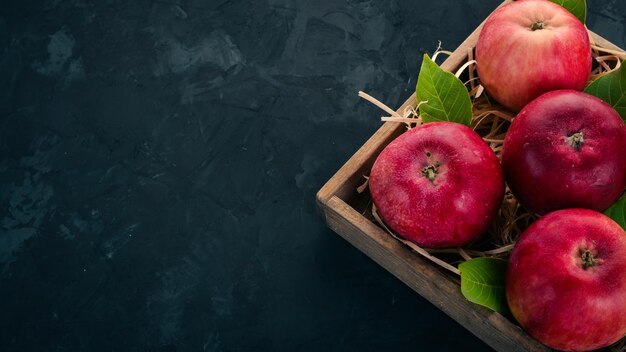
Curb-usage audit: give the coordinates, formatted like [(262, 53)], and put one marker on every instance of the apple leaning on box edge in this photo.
[(530, 47)]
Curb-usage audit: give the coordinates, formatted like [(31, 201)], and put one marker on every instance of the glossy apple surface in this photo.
[(566, 280), (530, 47), (437, 185), (566, 149)]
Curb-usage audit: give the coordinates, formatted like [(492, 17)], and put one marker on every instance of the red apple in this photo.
[(566, 150), (437, 185), (530, 47), (566, 280)]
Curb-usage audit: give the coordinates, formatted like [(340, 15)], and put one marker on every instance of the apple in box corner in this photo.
[(566, 280), (437, 185), (530, 47)]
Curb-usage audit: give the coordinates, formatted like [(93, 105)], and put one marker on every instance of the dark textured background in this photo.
[(159, 162)]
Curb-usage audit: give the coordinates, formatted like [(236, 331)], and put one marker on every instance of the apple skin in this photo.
[(453, 209), (517, 64), (546, 172), (550, 292)]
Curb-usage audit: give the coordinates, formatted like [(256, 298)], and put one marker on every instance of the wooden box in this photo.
[(345, 212)]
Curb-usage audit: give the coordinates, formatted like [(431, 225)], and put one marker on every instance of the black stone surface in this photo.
[(159, 162)]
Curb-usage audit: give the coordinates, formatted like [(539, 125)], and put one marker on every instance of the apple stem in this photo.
[(588, 259), (576, 140), (537, 25)]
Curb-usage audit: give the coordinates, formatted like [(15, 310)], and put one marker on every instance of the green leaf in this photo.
[(482, 282), (446, 96), (612, 89), (577, 7), (617, 212)]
